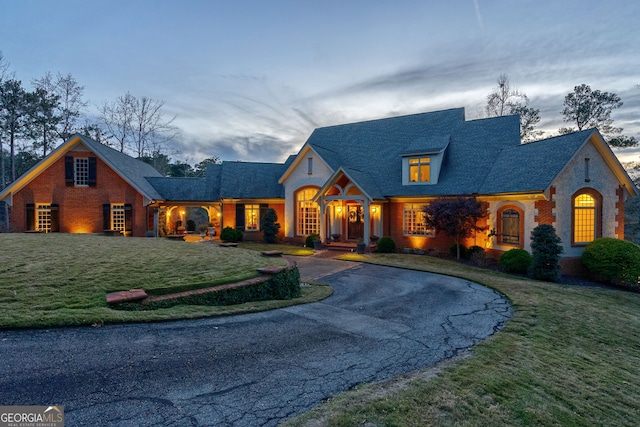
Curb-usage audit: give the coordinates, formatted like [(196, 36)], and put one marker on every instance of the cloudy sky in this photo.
[(250, 80)]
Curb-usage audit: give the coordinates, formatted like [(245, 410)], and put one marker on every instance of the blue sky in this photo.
[(250, 80)]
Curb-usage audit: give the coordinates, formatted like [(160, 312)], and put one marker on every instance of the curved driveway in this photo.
[(250, 370)]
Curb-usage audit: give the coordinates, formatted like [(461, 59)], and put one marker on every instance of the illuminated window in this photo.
[(511, 227), (251, 217), (413, 221), (43, 218), (308, 213), (585, 218), (80, 171), (420, 169), (118, 217)]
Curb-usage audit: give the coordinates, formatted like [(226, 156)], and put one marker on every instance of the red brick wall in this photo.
[(441, 243), (229, 218), (80, 208), (545, 209)]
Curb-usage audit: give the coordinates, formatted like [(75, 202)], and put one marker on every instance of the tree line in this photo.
[(584, 108), (34, 122)]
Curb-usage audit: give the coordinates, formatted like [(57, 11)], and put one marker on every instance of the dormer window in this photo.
[(419, 169)]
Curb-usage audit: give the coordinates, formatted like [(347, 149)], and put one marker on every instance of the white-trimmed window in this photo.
[(118, 221), (80, 171), (308, 213), (413, 221), (43, 218), (251, 217), (419, 169)]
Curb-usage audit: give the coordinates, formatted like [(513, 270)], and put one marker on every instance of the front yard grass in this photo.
[(569, 356), (62, 279)]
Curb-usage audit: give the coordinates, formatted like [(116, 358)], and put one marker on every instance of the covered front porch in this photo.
[(348, 215), (186, 218)]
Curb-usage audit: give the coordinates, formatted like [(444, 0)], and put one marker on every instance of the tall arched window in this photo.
[(587, 216), (307, 212)]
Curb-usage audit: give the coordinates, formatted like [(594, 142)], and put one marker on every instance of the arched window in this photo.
[(587, 216), (511, 225), (307, 212)]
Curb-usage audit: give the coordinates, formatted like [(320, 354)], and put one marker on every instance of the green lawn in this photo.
[(570, 356), (62, 279)]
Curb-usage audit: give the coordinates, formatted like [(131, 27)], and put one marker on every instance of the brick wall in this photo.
[(80, 208), (545, 209), (228, 218)]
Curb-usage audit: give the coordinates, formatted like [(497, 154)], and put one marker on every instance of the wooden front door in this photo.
[(355, 222)]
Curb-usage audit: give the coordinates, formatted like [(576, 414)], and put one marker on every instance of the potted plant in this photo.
[(336, 237), (360, 246), (374, 238)]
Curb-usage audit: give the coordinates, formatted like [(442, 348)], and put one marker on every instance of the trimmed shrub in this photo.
[(229, 234), (515, 261), (546, 248), (269, 225), (464, 251), (282, 286), (473, 250), (308, 242), (612, 260), (386, 245)]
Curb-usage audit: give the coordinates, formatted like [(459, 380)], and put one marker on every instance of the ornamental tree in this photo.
[(269, 225), (546, 250), (455, 216)]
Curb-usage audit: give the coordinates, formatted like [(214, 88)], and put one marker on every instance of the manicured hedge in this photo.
[(283, 285), (612, 260)]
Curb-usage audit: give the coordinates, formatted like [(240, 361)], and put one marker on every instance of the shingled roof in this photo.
[(133, 171), (375, 149)]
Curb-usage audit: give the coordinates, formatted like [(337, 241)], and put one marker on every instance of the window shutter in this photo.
[(128, 218), (68, 171), (55, 218), (106, 216), (240, 217), (31, 216), (91, 181)]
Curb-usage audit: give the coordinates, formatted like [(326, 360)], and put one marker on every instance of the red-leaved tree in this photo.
[(455, 216)]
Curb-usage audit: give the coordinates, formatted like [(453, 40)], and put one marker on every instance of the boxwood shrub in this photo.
[(229, 234), (515, 261), (612, 260), (386, 245)]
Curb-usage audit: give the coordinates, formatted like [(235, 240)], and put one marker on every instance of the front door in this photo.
[(355, 222)]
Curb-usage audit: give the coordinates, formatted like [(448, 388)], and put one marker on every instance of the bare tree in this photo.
[(150, 129), (505, 100), (138, 124), (71, 104), (116, 118)]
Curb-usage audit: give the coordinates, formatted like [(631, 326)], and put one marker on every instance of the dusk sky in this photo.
[(250, 80)]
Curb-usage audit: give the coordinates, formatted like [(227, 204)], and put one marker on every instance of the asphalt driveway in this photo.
[(251, 370)]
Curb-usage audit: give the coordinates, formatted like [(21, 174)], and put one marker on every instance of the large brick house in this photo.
[(354, 180)]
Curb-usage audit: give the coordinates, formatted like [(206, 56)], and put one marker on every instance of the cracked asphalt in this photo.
[(251, 370)]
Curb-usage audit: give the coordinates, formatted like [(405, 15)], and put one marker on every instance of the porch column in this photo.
[(323, 219), (367, 219)]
